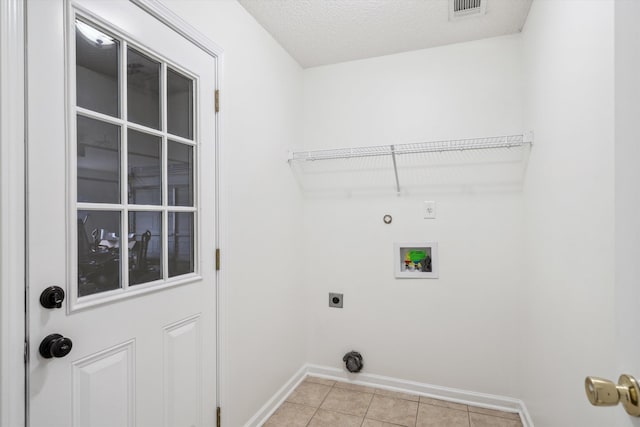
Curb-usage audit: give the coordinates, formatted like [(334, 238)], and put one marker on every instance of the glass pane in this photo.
[(180, 243), (145, 168), (98, 161), (179, 104), (145, 247), (96, 70), (180, 174), (98, 251), (143, 89)]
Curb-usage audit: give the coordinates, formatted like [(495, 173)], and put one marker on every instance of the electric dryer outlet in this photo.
[(335, 300)]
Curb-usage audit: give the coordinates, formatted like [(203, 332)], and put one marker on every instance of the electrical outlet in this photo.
[(429, 210), (335, 300)]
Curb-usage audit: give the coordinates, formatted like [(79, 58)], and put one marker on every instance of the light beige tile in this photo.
[(347, 401), (398, 395), (291, 415), (319, 380), (481, 420), (354, 387), (376, 423), (310, 394), (395, 411), (444, 403), (494, 413), (438, 416), (324, 418)]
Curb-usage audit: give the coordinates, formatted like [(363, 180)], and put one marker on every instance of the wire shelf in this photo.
[(490, 142), (395, 151)]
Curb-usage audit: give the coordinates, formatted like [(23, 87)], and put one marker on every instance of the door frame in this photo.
[(13, 185), (12, 212)]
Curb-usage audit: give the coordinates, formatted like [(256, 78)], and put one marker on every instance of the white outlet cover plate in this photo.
[(429, 209)]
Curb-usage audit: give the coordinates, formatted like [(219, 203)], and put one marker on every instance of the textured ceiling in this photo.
[(319, 32)]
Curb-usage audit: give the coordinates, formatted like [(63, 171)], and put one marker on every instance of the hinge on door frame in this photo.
[(26, 351), (217, 96), (217, 259), (218, 417)]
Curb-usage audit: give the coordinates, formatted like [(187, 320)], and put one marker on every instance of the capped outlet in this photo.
[(335, 300)]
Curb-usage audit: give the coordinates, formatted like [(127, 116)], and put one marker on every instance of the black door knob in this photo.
[(55, 345), (52, 297)]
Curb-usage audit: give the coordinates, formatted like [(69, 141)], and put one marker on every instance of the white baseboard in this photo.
[(482, 400), (274, 403)]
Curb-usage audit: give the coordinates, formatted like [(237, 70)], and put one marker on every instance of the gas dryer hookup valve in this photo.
[(353, 361)]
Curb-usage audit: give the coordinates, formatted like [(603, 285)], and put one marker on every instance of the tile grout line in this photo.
[(493, 416), (498, 414), (415, 422), (375, 393), (368, 406), (342, 412), (393, 396), (388, 397), (320, 404)]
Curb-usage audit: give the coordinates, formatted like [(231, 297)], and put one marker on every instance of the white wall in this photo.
[(498, 273), (457, 331), (627, 203), (260, 101), (568, 333)]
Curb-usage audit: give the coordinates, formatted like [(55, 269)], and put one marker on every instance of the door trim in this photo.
[(12, 213)]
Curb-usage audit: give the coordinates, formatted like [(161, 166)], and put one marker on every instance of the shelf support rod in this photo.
[(395, 167)]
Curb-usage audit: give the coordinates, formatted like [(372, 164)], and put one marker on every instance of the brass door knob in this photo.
[(602, 392)]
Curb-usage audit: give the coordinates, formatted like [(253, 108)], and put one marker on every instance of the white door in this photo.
[(121, 216)]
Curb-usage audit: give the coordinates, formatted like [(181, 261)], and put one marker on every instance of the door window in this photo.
[(135, 158)]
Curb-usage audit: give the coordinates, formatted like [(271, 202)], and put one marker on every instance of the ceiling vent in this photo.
[(466, 8)]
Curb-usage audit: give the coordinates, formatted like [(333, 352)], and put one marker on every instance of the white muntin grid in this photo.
[(124, 207)]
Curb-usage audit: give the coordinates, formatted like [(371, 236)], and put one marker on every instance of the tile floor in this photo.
[(318, 402)]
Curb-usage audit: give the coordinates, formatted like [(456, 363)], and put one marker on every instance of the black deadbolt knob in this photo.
[(55, 345), (52, 297)]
